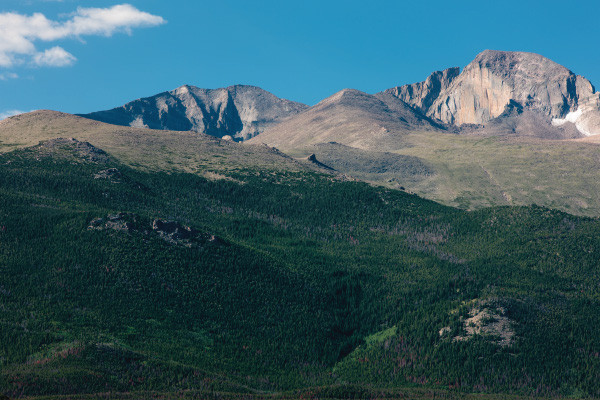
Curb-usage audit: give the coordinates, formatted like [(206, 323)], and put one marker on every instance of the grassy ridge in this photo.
[(474, 172)]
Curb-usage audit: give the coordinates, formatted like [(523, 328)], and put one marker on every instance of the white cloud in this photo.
[(106, 21), (10, 113), (54, 57), (8, 75), (18, 32)]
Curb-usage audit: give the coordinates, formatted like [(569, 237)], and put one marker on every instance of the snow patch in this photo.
[(575, 118), (138, 123)]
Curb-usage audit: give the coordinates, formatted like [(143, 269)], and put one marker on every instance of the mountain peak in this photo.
[(343, 96), (522, 63)]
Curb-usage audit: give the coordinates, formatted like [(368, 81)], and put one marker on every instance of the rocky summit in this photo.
[(239, 112), (497, 82)]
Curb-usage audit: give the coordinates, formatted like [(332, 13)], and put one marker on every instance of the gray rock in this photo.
[(118, 222), (173, 231)]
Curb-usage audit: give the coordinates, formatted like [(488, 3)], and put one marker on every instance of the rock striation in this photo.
[(421, 95), (496, 83), (239, 112)]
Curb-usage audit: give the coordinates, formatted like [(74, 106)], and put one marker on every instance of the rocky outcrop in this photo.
[(487, 319), (174, 232), (71, 149), (239, 112), (125, 222), (421, 95), (313, 160), (170, 231)]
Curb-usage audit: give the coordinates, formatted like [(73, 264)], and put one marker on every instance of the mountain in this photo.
[(238, 111), (501, 84), (352, 118)]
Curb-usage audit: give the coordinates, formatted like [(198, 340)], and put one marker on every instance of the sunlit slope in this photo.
[(146, 148)]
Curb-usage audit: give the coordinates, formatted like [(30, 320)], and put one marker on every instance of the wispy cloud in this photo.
[(18, 32), (8, 75), (10, 113)]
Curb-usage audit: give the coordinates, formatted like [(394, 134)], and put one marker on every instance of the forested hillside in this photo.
[(273, 283)]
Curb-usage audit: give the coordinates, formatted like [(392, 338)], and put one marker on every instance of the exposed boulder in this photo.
[(172, 231), (119, 222), (111, 174), (487, 318)]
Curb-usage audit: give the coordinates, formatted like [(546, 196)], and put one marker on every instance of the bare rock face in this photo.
[(421, 95), (495, 79), (240, 112)]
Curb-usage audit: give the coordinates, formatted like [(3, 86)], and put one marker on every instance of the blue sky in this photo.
[(300, 50)]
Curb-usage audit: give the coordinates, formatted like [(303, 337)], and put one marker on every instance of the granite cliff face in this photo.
[(421, 95), (499, 82), (237, 111)]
